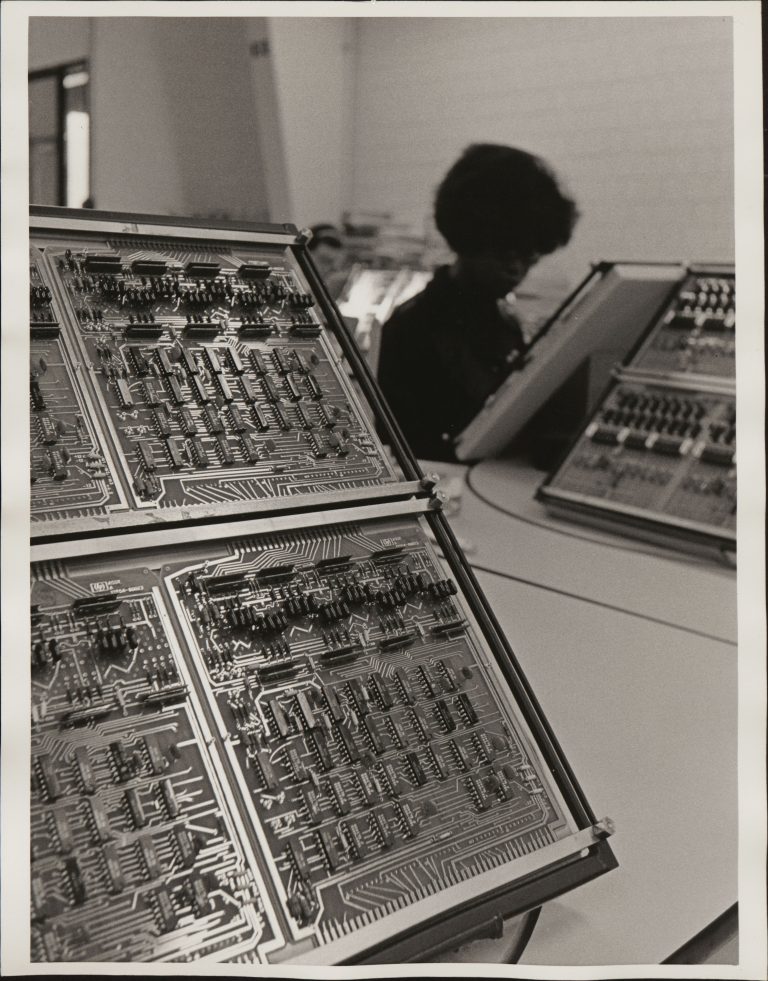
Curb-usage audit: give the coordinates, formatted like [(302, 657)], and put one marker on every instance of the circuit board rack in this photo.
[(657, 459), (274, 719)]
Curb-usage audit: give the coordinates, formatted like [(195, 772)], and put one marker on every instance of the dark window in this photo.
[(59, 136)]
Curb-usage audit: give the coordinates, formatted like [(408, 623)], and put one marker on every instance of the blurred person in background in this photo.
[(447, 349)]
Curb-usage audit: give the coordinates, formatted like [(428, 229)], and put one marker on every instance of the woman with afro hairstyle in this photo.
[(447, 349)]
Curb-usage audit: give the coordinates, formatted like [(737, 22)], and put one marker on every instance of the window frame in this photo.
[(59, 72)]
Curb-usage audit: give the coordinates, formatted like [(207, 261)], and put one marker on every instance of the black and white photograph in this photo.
[(396, 588)]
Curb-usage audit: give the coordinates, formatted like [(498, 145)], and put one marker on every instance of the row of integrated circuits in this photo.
[(657, 459), (273, 717), (175, 384)]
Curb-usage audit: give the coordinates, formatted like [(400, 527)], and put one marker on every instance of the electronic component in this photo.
[(158, 332), (71, 474), (112, 805), (657, 459), (694, 339), (242, 731), (386, 743)]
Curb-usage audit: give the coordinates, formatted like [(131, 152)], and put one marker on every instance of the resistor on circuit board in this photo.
[(301, 908), (45, 654)]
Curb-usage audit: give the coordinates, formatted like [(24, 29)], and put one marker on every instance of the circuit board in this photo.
[(273, 719), (133, 852), (659, 451), (657, 459), (363, 721), (359, 721), (696, 334), (69, 473), (216, 386)]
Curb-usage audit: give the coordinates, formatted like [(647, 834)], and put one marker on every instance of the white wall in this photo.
[(206, 75), (228, 117), (269, 122), (313, 61), (172, 112), (634, 114), (134, 162), (57, 40), (298, 119)]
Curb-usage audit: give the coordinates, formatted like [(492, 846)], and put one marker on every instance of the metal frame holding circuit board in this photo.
[(286, 731), (657, 460), (184, 377)]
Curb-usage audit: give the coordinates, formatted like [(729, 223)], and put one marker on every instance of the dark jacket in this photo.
[(442, 354)]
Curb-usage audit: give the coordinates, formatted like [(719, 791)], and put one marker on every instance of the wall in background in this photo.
[(135, 166), (57, 41), (314, 63), (157, 86), (218, 117), (636, 115), (306, 117), (206, 75)]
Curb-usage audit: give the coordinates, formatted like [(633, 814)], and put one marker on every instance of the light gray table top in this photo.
[(608, 569), (631, 652)]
